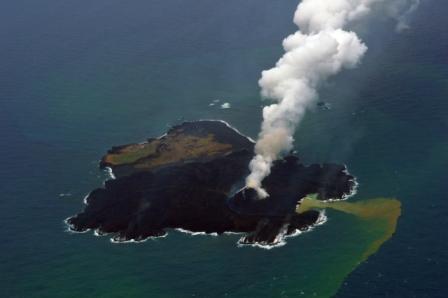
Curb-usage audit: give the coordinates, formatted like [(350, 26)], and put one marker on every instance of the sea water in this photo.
[(78, 77)]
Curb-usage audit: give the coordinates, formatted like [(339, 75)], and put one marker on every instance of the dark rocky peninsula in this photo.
[(191, 179)]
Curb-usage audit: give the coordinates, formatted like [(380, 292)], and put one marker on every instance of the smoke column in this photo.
[(322, 48)]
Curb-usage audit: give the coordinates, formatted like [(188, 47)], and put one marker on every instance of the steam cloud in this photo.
[(322, 48)]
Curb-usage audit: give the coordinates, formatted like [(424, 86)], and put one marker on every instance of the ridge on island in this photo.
[(191, 178)]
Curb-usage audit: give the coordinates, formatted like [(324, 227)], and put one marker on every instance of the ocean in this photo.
[(79, 77)]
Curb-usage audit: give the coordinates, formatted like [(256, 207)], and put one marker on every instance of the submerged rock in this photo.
[(189, 179)]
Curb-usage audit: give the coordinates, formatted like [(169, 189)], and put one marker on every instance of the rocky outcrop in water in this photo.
[(191, 178)]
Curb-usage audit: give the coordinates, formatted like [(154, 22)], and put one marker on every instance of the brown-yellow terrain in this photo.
[(171, 148)]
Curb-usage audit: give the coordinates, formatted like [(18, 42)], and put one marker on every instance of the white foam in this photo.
[(121, 241), (225, 105), (69, 228), (112, 240), (353, 192), (67, 194), (214, 102), (222, 121), (354, 189), (280, 240), (233, 233), (84, 200), (321, 220), (110, 172), (98, 233), (231, 127), (262, 245), (70, 231), (296, 233), (195, 233)]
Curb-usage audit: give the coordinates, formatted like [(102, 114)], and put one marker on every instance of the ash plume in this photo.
[(320, 49)]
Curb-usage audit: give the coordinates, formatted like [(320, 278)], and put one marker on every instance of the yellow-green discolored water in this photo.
[(376, 220)]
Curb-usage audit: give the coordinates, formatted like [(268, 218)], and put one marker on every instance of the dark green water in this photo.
[(78, 77)]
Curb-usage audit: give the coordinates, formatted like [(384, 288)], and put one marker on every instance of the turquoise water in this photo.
[(77, 78)]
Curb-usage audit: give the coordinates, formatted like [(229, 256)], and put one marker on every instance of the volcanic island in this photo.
[(192, 179)]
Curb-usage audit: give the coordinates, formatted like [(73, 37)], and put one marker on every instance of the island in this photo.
[(192, 179)]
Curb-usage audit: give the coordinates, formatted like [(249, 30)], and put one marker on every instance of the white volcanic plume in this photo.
[(322, 48)]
